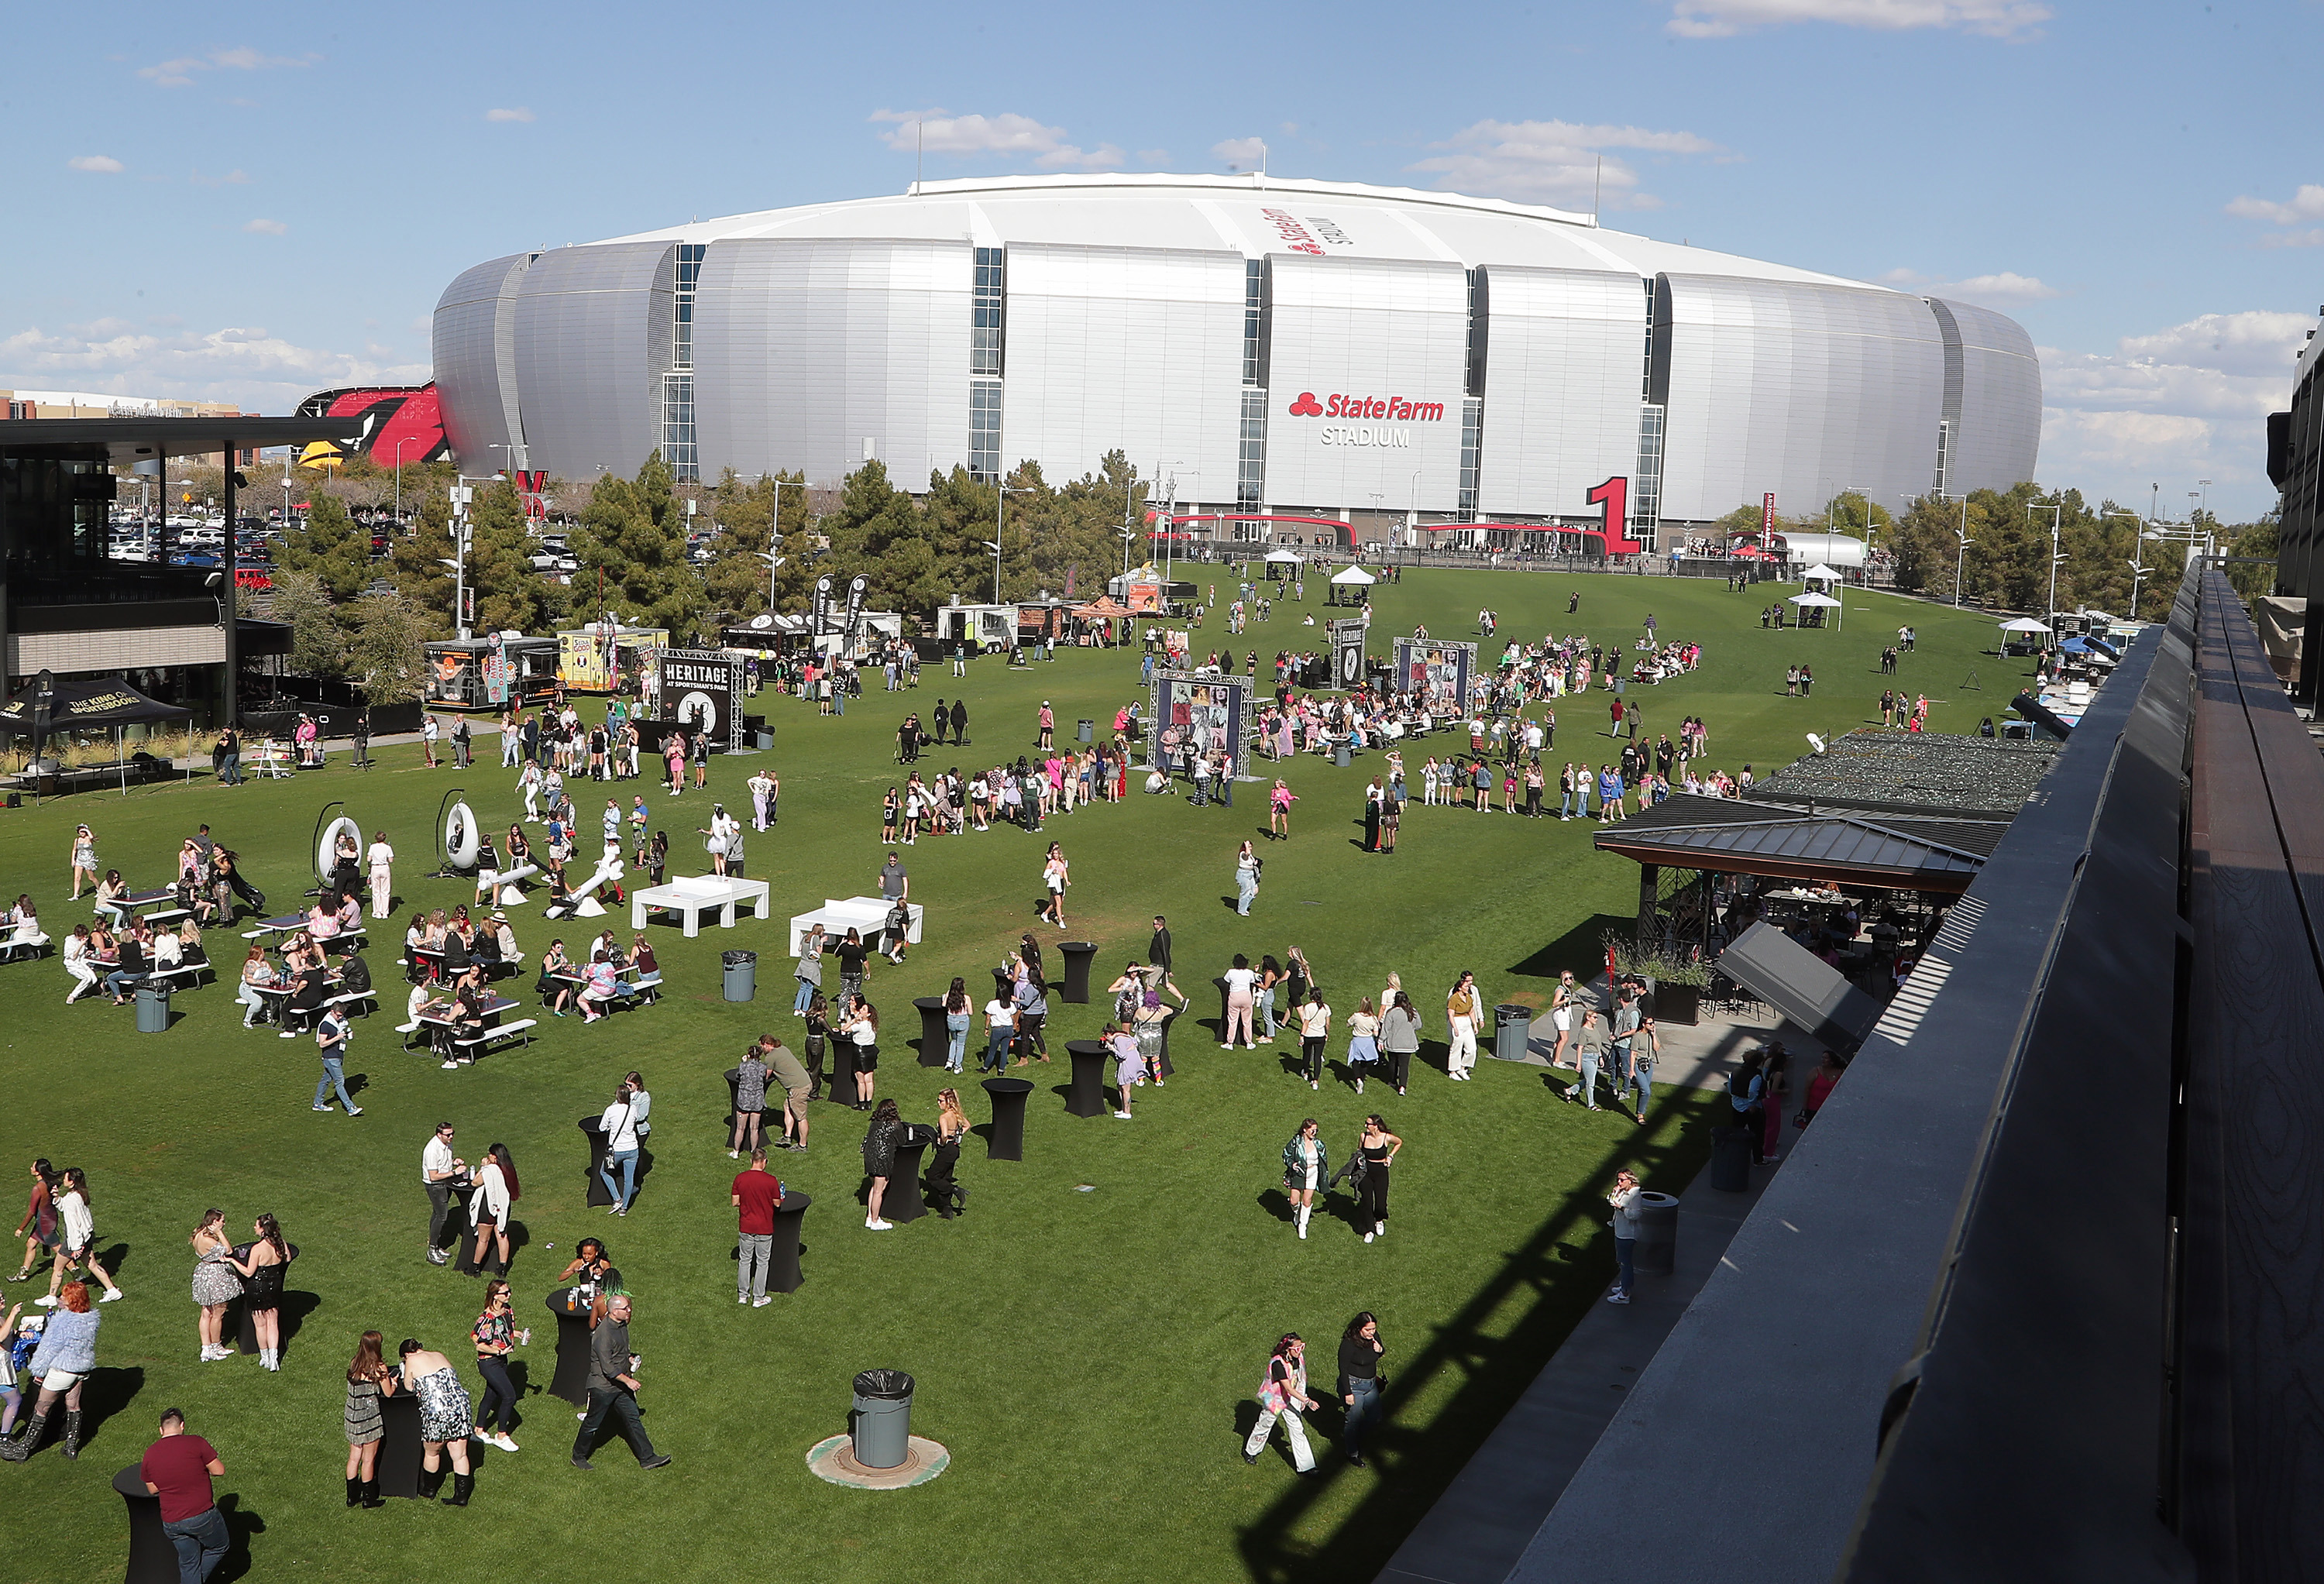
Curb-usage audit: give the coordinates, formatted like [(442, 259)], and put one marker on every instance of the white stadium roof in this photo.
[(1252, 216)]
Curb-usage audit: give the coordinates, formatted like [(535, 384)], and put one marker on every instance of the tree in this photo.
[(2252, 538), (737, 580), (876, 532), (417, 565), (329, 545), (1925, 545), (632, 540), (1852, 512), (384, 657), (510, 595), (318, 645)]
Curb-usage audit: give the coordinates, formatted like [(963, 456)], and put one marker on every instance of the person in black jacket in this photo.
[(880, 1141), (1158, 950), (959, 721)]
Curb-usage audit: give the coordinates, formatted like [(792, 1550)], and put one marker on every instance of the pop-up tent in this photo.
[(2025, 624), (1285, 558), (1351, 575), (1819, 602), (72, 703), (1818, 572)]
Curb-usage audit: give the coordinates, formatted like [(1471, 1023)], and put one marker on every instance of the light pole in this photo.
[(2138, 562), (2056, 512), (400, 444), (1001, 492)]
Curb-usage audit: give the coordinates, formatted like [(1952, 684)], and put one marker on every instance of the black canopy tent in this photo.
[(52, 704)]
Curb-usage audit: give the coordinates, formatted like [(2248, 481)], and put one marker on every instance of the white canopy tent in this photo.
[(1812, 600), (1351, 575), (1285, 558), (1818, 572), (2025, 624)]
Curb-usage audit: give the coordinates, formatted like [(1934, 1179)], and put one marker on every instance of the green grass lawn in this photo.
[(1088, 1357)]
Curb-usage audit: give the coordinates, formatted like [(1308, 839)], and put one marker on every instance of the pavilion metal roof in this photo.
[(1692, 832)]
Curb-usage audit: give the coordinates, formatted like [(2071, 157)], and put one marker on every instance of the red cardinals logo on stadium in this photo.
[(1307, 406)]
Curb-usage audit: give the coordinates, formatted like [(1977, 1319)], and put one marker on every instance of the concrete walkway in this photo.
[(1486, 1518)]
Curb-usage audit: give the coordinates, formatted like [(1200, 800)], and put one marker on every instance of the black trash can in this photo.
[(1512, 1027), (741, 975), (153, 1009), (883, 1418), (1730, 1160), (1656, 1253)]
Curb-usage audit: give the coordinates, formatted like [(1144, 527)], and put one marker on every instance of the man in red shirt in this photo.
[(757, 1196), (178, 1469)]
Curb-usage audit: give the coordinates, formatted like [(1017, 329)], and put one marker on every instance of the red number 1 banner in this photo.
[(1612, 500)]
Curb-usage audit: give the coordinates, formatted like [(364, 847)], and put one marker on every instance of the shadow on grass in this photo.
[(1489, 1373), (1579, 948)]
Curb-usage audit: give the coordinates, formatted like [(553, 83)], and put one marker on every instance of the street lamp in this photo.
[(400, 444), (2138, 563), (2056, 513), (1000, 499)]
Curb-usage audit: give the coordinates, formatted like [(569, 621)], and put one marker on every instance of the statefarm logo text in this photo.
[(1394, 408), (1295, 236)]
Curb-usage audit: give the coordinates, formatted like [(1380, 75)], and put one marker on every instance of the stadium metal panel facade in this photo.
[(1295, 347)]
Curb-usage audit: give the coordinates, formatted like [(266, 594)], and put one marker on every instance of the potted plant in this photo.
[(1674, 983)]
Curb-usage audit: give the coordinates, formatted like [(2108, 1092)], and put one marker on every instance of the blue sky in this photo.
[(247, 202)]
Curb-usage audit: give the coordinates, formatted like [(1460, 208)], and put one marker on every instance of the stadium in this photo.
[(1384, 362)]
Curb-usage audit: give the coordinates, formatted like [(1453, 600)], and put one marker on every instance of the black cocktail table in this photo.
[(571, 1380), (935, 1040), (783, 1254), (902, 1202), (1077, 954), (1007, 1140), (1087, 1096)]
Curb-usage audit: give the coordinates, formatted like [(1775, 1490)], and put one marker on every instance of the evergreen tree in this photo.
[(633, 536), (318, 645), (509, 596), (877, 533), (329, 545), (384, 657), (416, 565)]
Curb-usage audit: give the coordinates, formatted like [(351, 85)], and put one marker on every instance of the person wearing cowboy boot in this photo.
[(61, 1364)]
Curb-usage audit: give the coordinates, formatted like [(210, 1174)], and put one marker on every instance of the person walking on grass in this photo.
[(1246, 877), (613, 1390), (495, 1336), (1462, 1011), (61, 1365), (77, 1239), (1283, 1394), (1360, 1381), (1129, 1067), (1305, 1169), (1279, 799), (1315, 1018), (1055, 876), (1243, 999)]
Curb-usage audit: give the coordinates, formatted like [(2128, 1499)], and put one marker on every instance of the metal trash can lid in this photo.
[(1510, 1011), (884, 1384), (738, 958)]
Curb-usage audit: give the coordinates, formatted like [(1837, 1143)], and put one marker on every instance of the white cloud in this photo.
[(1720, 19), (1240, 153), (2007, 288), (2307, 204), (99, 164), (266, 227), (2173, 406), (519, 114), (247, 366), (1552, 162), (938, 131), (179, 73)]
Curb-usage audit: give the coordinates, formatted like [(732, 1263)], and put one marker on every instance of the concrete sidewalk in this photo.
[(1486, 1518)]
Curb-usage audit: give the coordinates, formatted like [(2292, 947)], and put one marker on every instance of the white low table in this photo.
[(691, 896), (868, 915)]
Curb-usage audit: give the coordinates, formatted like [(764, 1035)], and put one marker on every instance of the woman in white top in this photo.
[(1314, 1015), (1056, 877), (1243, 999), (863, 1028), (76, 959), (381, 857), (642, 1102), (496, 1188), (619, 1123), (529, 783), (77, 1243), (84, 859), (1363, 1041)]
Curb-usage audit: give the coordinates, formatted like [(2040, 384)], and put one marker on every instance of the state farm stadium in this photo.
[(1288, 359)]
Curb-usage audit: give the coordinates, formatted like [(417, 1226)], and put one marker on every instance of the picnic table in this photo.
[(691, 896)]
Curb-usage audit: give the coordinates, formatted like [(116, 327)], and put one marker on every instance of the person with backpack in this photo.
[(1283, 1394)]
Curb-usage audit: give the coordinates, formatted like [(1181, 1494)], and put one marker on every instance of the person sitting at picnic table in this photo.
[(323, 917), (556, 982), (310, 986), (129, 961), (600, 983), (466, 1021), (107, 897), (641, 957)]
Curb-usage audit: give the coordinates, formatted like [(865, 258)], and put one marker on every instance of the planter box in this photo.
[(1677, 1003)]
